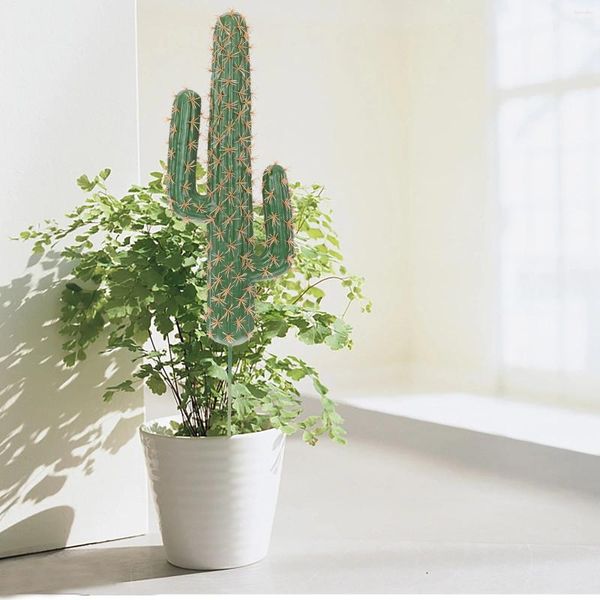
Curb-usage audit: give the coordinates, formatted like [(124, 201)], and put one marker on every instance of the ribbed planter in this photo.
[(215, 496)]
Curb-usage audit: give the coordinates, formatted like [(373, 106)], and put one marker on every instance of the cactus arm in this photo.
[(276, 257), (183, 149)]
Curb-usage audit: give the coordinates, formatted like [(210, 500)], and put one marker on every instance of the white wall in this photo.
[(71, 470), (328, 79)]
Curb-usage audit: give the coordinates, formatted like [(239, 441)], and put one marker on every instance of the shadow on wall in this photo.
[(53, 422), (55, 522)]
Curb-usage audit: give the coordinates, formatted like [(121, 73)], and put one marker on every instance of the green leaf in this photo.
[(297, 374), (163, 323), (145, 273), (217, 372), (340, 336), (85, 184), (156, 384), (319, 387), (315, 233)]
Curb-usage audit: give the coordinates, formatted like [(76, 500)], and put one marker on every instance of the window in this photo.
[(548, 140)]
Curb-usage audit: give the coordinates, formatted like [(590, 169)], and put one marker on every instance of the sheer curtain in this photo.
[(548, 146)]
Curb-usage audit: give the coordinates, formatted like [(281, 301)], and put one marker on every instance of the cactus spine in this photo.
[(234, 262)]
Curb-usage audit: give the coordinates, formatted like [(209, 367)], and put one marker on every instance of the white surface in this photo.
[(405, 507), (68, 106), (216, 497), (545, 424)]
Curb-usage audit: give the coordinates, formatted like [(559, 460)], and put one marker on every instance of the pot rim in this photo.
[(166, 420)]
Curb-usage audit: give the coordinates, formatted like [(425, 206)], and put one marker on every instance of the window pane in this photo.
[(578, 37), (544, 40), (528, 189), (580, 191), (549, 188)]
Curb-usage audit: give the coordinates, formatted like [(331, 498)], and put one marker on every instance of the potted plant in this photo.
[(198, 315)]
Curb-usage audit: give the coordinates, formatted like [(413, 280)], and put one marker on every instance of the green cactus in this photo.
[(234, 262)]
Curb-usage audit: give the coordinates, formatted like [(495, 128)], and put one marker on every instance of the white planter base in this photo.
[(215, 496)]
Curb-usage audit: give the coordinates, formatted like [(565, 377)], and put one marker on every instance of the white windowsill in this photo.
[(573, 429)]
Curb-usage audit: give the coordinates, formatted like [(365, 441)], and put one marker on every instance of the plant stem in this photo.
[(174, 375), (346, 309), (317, 283), (190, 383), (229, 383), (161, 367)]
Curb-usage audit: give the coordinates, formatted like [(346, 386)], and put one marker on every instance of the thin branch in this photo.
[(172, 368), (170, 383), (318, 283), (190, 383), (346, 309)]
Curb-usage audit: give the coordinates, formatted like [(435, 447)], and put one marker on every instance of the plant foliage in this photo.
[(138, 282)]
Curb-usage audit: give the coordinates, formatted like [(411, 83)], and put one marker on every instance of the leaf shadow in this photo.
[(52, 419)]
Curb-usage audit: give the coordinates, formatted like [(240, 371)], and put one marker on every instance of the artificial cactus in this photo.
[(234, 262)]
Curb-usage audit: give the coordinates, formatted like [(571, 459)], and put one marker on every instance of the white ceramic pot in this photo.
[(215, 496)]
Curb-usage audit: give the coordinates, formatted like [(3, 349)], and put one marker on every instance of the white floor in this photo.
[(407, 506)]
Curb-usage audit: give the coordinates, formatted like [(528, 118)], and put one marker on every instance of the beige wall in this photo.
[(387, 104), (71, 469), (450, 212)]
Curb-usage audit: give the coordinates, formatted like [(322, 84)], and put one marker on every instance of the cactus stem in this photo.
[(234, 263)]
